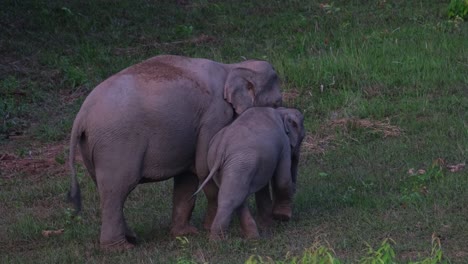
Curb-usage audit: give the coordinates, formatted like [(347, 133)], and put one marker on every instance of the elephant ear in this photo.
[(239, 89), (292, 128)]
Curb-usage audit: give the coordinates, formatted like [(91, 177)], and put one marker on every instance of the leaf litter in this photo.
[(49, 233), (325, 137)]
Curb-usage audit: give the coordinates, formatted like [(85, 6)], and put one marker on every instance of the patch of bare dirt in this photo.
[(290, 96), (35, 161)]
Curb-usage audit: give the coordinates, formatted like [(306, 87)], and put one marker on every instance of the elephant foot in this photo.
[(121, 245), (249, 229), (253, 235), (183, 230), (132, 238), (209, 216), (218, 236), (282, 213), (265, 222), (207, 225), (208, 221), (265, 226)]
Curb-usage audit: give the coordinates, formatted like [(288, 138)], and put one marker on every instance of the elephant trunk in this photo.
[(294, 169)]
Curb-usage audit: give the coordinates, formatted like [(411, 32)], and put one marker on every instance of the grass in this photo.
[(400, 64)]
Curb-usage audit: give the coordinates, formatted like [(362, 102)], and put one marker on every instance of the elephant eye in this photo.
[(294, 123), (250, 86)]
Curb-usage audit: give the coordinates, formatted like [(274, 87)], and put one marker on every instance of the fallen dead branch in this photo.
[(49, 233), (456, 167)]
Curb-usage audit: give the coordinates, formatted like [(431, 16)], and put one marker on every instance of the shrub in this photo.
[(458, 8)]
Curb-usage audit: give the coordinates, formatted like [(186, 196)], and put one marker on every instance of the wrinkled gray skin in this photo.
[(154, 121), (261, 146)]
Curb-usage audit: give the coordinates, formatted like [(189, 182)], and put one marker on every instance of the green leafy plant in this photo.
[(183, 30), (384, 254), (184, 244), (321, 255), (314, 255), (74, 76), (436, 253), (415, 186), (70, 216), (458, 8)]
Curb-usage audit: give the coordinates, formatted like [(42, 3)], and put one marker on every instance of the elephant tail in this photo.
[(213, 171), (74, 194)]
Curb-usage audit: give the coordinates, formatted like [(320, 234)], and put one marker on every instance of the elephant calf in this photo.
[(261, 146)]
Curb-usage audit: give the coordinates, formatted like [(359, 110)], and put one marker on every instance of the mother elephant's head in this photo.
[(252, 83)]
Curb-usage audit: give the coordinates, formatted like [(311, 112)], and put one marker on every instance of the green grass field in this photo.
[(383, 85)]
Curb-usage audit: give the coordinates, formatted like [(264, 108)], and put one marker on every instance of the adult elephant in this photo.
[(154, 121)]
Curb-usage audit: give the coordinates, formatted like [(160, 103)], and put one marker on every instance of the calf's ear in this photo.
[(291, 127)]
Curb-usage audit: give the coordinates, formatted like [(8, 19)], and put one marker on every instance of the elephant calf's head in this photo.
[(294, 127)]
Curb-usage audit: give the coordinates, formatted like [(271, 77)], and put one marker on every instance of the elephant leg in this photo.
[(282, 186), (282, 206), (221, 222), (113, 227), (247, 222), (183, 203), (211, 193), (130, 235), (264, 207), (230, 198), (282, 209)]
